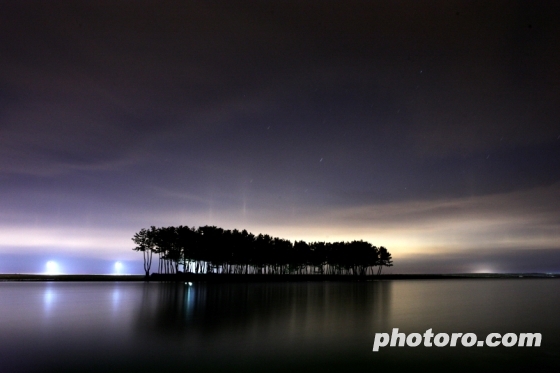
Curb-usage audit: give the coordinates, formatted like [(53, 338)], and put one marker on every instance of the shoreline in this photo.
[(254, 278)]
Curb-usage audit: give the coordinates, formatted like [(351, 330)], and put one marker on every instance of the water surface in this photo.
[(279, 327)]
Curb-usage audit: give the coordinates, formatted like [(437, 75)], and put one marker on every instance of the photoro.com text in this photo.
[(430, 339)]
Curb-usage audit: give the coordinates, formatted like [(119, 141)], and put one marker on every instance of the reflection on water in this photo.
[(48, 300), (116, 300), (271, 326), (260, 314)]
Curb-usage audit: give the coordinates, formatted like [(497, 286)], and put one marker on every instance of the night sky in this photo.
[(430, 128)]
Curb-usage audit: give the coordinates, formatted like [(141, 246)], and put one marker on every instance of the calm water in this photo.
[(279, 327)]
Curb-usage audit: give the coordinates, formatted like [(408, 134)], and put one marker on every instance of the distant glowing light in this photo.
[(118, 267), (52, 267), (485, 269)]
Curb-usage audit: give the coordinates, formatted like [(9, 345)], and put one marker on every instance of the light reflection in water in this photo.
[(115, 299), (189, 301), (49, 299), (270, 326), (261, 316)]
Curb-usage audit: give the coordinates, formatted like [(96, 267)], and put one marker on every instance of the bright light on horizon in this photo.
[(118, 267), (485, 269), (52, 267)]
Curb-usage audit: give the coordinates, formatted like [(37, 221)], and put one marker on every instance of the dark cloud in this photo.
[(496, 260), (272, 106)]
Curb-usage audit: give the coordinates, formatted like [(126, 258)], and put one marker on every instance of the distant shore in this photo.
[(212, 277)]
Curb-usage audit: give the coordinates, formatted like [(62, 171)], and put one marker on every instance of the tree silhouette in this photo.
[(145, 244), (385, 259), (209, 249)]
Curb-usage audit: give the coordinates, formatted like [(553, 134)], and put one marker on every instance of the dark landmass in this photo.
[(214, 277)]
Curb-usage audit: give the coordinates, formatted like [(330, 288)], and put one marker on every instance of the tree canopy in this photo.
[(209, 249)]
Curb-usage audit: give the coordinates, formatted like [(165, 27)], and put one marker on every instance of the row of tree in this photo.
[(210, 249)]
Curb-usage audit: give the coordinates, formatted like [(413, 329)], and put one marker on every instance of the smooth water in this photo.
[(279, 327)]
